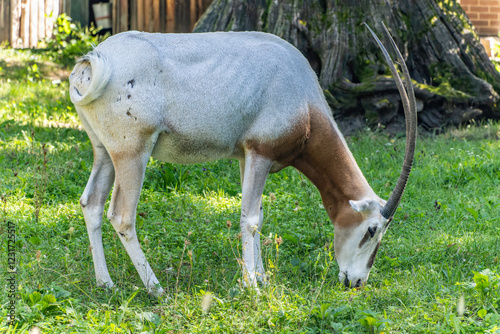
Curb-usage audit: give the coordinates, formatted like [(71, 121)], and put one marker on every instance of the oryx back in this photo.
[(204, 96)]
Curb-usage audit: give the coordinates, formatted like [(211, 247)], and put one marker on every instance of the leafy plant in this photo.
[(33, 73), (70, 40), (43, 303), (496, 55), (487, 284), (372, 321), (328, 316)]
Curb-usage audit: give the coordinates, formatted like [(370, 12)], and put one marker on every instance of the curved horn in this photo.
[(410, 109)]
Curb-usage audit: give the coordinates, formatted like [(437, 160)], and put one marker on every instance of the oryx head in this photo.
[(357, 240), (356, 246)]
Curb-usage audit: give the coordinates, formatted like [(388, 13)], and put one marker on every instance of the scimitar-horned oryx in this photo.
[(250, 96)]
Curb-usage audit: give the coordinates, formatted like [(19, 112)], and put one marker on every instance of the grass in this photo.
[(438, 268)]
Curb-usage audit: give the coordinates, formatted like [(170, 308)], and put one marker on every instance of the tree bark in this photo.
[(453, 77)]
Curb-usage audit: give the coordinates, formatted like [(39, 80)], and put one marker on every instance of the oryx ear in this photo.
[(367, 204)]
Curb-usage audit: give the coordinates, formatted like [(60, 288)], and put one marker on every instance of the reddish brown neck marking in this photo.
[(328, 163)]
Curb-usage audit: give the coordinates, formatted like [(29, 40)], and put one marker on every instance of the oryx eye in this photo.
[(372, 231)]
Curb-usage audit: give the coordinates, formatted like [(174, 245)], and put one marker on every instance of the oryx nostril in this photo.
[(347, 283), (358, 283)]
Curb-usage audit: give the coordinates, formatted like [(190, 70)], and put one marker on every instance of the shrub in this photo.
[(70, 40)]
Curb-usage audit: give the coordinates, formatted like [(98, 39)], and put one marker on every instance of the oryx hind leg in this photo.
[(92, 202), (130, 165), (254, 171)]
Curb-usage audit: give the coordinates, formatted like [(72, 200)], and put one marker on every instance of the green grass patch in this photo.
[(438, 268)]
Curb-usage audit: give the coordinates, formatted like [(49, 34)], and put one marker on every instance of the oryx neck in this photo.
[(329, 164)]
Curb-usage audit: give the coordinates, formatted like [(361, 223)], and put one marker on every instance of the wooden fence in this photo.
[(24, 22), (157, 15)]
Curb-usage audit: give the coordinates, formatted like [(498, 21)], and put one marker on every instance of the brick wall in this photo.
[(484, 14)]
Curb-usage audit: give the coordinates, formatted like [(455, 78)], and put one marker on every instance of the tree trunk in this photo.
[(454, 79)]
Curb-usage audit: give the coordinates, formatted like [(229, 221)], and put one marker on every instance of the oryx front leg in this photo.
[(259, 266), (255, 170), (129, 170), (92, 203)]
